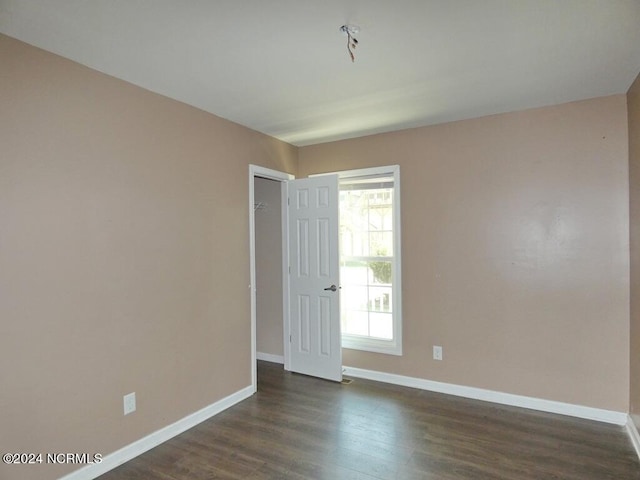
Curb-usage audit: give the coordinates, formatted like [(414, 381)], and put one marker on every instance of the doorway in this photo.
[(268, 275), (305, 245)]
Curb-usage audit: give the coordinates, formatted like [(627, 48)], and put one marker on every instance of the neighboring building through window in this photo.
[(370, 259)]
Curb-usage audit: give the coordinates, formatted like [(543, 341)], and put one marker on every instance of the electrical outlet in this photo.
[(129, 401), (437, 352)]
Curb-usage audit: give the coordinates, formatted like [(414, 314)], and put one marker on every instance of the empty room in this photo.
[(296, 239)]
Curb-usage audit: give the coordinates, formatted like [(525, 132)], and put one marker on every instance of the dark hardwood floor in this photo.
[(297, 427)]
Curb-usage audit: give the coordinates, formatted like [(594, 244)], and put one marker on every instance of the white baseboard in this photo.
[(632, 431), (550, 406), (111, 461), (268, 357)]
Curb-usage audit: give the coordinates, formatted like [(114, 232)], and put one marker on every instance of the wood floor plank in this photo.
[(298, 427)]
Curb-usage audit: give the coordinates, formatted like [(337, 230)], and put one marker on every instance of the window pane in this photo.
[(354, 272), (380, 299), (381, 325), (381, 244), (354, 297), (380, 272), (355, 323)]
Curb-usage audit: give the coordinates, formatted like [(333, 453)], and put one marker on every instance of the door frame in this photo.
[(283, 178)]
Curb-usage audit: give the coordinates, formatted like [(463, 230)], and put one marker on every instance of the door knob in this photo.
[(333, 288)]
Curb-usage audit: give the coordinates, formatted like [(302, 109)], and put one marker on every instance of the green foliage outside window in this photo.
[(381, 270)]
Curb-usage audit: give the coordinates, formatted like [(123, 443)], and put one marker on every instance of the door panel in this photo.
[(303, 323), (315, 307)]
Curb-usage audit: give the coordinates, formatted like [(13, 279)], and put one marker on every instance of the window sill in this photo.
[(388, 347)]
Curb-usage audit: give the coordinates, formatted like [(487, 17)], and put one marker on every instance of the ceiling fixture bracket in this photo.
[(350, 31)]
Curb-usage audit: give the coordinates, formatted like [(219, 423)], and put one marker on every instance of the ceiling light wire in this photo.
[(352, 42)]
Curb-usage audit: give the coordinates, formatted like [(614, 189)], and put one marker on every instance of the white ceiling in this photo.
[(281, 66)]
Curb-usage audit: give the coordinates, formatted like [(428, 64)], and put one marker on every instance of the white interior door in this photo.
[(315, 340)]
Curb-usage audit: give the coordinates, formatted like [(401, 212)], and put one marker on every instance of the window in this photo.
[(370, 259)]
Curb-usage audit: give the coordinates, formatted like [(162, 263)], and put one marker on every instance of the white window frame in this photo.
[(369, 344)]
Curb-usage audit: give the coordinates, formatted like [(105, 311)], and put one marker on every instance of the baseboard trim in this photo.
[(634, 435), (111, 461), (269, 357), (550, 406)]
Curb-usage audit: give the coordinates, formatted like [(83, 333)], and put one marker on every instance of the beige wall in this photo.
[(515, 250), (123, 257), (268, 222), (633, 105)]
